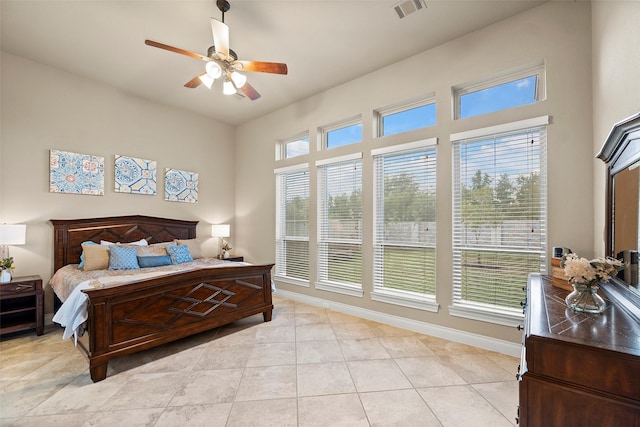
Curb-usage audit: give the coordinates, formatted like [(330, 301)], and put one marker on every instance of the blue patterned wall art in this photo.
[(76, 173), (134, 175), (180, 186)]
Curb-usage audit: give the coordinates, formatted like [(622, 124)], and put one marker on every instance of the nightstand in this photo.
[(234, 259), (22, 305)]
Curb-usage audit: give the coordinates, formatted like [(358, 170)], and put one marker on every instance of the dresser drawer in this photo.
[(607, 371), (18, 288)]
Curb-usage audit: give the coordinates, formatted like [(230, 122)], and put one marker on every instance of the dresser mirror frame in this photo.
[(621, 153)]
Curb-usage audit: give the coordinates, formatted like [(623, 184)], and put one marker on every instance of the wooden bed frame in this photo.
[(127, 319)]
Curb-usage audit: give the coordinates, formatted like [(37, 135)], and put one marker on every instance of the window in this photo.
[(292, 224), (499, 219), (506, 92), (293, 147), (405, 227), (344, 133), (340, 225), (296, 147), (406, 118)]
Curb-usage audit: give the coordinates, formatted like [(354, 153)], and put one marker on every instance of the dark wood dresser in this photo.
[(578, 369)]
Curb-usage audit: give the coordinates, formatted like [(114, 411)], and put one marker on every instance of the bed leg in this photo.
[(267, 315), (98, 372)]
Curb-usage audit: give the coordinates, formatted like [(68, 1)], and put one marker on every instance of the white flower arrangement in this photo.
[(225, 246), (590, 272)]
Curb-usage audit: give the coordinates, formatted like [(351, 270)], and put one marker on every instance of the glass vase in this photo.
[(585, 298), (5, 276)]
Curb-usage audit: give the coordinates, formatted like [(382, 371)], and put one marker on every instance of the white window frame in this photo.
[(381, 113), (323, 131), (281, 227), (485, 312), (426, 302), (345, 288), (281, 146), (540, 91)]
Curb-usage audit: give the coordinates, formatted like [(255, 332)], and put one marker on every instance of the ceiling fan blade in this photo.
[(262, 67), (248, 90), (220, 32), (195, 82), (176, 50)]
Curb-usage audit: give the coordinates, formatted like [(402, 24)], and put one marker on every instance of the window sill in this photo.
[(485, 314), (426, 303), (340, 288), (291, 281)]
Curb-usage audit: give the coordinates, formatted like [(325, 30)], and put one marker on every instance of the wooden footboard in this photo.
[(131, 318)]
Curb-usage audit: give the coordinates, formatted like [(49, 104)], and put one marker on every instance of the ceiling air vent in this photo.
[(407, 7)]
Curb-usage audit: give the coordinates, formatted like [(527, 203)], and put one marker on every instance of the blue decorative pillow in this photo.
[(154, 261), (81, 265), (121, 258), (179, 254)]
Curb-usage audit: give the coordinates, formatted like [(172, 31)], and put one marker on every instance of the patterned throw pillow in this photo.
[(153, 250), (123, 258), (179, 254)]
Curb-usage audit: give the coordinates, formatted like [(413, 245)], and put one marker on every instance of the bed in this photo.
[(146, 313)]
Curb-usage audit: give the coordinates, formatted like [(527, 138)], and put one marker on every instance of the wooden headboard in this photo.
[(70, 233)]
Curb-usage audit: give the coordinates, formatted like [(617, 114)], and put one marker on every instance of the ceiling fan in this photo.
[(222, 62)]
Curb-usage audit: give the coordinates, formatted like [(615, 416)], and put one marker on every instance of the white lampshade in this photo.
[(220, 230), (207, 80), (228, 88), (14, 234), (238, 79), (213, 69)]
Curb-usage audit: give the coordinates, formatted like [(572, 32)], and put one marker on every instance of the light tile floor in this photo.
[(307, 367)]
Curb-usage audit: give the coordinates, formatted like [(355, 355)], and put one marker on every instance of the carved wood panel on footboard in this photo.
[(134, 317)]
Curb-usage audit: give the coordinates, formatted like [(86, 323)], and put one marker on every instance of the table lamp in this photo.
[(11, 235), (220, 231)]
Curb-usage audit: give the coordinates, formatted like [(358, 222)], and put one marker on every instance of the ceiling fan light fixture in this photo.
[(238, 79), (207, 80), (228, 88), (213, 70)]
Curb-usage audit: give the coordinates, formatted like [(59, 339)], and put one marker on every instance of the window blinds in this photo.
[(292, 224), (405, 227), (340, 223), (499, 217)]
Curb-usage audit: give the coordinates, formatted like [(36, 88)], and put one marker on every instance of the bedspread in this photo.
[(68, 277), (69, 281)]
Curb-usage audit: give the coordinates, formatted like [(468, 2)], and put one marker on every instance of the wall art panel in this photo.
[(76, 173), (133, 175), (180, 186)]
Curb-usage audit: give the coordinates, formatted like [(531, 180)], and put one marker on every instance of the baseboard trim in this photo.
[(488, 343)]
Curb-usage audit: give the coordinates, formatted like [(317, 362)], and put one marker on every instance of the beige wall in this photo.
[(557, 33), (616, 84), (44, 108)]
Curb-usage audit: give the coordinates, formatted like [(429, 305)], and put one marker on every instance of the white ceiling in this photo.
[(323, 42)]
